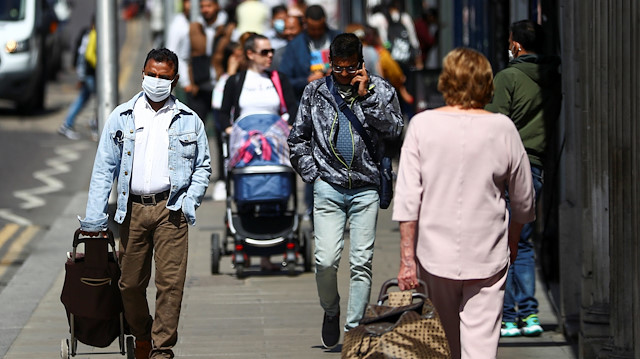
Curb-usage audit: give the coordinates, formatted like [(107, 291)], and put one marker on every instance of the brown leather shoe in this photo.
[(143, 349)]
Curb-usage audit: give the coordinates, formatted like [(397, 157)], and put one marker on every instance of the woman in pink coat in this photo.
[(457, 163)]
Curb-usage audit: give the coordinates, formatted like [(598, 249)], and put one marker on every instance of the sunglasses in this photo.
[(350, 69), (265, 52)]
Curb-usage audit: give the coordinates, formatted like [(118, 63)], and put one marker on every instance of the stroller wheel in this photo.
[(131, 351), (64, 349), (291, 268), (216, 252), (240, 271)]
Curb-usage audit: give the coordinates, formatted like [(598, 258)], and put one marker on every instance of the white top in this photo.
[(178, 42), (150, 172), (252, 15), (379, 21), (453, 173), (258, 95)]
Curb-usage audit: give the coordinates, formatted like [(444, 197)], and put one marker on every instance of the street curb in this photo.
[(38, 273)]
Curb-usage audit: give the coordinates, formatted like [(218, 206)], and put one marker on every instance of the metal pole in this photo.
[(169, 12), (107, 66), (195, 10)]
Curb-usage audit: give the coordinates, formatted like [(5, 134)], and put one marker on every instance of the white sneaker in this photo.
[(68, 133), (219, 191)]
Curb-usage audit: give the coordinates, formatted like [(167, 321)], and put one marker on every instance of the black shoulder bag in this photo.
[(383, 162)]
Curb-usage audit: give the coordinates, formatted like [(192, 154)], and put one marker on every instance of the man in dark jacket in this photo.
[(528, 91), (327, 151), (304, 53)]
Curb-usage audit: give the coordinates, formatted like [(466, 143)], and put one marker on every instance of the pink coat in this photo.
[(454, 170)]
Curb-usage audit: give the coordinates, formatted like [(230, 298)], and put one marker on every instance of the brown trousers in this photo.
[(153, 231)]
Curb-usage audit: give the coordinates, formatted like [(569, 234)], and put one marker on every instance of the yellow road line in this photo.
[(8, 231), (16, 248)]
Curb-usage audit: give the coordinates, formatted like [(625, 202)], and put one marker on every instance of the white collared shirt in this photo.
[(150, 173)]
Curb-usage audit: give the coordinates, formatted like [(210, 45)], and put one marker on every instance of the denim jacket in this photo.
[(189, 165)]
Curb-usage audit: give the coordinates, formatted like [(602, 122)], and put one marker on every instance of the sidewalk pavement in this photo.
[(261, 316)]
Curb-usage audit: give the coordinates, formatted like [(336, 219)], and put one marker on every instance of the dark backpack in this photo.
[(399, 44)]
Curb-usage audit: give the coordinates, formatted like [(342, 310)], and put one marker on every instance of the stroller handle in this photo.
[(268, 169)]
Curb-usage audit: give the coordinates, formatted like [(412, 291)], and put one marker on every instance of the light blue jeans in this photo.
[(332, 206), (88, 88)]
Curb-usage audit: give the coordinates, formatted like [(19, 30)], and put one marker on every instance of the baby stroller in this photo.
[(262, 205), (91, 297)]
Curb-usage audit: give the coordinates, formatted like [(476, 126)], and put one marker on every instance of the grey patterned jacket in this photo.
[(312, 138)]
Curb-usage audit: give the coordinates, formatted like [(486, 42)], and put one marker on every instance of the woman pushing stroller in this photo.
[(257, 91)]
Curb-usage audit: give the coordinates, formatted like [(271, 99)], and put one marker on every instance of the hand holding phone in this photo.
[(361, 81)]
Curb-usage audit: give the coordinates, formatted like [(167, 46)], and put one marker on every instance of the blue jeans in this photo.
[(332, 206), (521, 281), (88, 88)]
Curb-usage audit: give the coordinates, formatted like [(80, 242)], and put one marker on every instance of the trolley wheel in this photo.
[(215, 253), (131, 351), (64, 349), (307, 255), (240, 271)]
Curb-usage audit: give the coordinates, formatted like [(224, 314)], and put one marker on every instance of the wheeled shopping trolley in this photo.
[(91, 297)]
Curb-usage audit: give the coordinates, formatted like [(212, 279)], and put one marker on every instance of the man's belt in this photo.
[(149, 199)]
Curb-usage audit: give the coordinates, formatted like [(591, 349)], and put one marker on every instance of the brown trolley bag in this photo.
[(91, 295), (407, 327)]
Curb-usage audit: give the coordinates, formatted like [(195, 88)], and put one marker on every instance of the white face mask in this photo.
[(511, 57), (156, 89)]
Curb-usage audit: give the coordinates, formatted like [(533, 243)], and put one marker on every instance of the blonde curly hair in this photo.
[(466, 79)]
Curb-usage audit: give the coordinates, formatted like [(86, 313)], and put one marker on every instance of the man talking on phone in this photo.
[(328, 151)]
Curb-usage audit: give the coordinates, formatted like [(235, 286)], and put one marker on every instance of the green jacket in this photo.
[(529, 92)]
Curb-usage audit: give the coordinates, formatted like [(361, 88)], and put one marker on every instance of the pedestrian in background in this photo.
[(456, 231), (157, 149), (275, 33), (329, 153), (212, 24), (86, 59), (292, 28), (202, 75), (178, 42), (529, 92)]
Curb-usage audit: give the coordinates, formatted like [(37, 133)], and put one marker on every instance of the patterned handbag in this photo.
[(407, 327)]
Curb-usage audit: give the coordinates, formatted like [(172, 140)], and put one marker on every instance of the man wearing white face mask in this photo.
[(159, 187)]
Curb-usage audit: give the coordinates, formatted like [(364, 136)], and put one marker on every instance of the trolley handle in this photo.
[(393, 282), (78, 238)]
